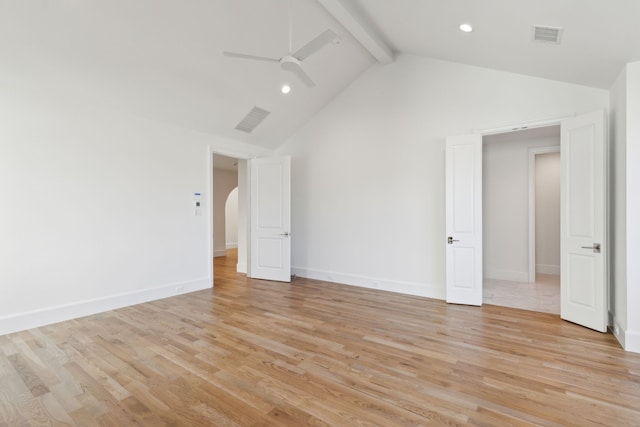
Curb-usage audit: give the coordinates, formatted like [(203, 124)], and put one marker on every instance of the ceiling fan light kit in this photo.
[(292, 62)]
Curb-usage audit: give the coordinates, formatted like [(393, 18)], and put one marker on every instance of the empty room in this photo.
[(295, 212)]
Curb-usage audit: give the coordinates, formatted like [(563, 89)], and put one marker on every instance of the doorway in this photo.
[(264, 214), (583, 223), (229, 211), (521, 219)]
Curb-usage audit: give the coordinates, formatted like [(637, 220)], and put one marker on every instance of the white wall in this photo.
[(625, 207), (618, 205), (547, 213), (368, 170), (97, 208), (223, 182), (505, 189), (231, 219), (633, 207)]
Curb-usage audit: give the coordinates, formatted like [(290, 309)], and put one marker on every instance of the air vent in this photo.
[(252, 119), (547, 34)]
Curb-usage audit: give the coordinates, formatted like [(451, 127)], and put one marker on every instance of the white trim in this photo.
[(46, 316), (209, 213), (629, 340), (241, 267), (555, 121), (632, 341), (607, 217), (247, 262), (231, 153), (547, 269), (232, 245), (409, 288), (533, 152), (220, 252), (510, 275), (617, 330)]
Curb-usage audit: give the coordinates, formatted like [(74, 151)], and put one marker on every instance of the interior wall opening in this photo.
[(230, 211), (521, 201)]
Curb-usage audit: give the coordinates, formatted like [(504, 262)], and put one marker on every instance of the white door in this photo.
[(271, 218), (583, 225), (464, 219)]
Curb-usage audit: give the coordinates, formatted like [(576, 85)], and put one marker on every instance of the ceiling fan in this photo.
[(292, 61)]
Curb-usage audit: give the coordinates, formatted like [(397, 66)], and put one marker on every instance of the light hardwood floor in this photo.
[(252, 352)]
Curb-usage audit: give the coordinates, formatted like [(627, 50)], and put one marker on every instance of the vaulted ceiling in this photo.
[(598, 37), (162, 59)]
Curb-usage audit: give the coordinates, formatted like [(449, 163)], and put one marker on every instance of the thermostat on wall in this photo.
[(197, 204)]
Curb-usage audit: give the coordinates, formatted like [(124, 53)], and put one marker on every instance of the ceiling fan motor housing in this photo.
[(289, 63)]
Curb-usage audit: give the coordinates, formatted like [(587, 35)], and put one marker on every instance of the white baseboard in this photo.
[(219, 252), (616, 329), (46, 316), (632, 341), (629, 340), (514, 276), (410, 288), (241, 267), (232, 245), (547, 269)]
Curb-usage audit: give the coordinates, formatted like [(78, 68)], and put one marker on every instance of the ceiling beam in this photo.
[(353, 21)]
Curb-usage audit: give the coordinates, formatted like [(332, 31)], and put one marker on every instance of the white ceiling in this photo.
[(599, 36), (161, 59)]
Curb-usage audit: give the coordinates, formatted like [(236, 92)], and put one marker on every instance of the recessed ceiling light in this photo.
[(285, 89), (467, 28)]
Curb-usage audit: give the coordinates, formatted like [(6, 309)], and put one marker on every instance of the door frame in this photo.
[(554, 121), (533, 152), (543, 123), (558, 121), (240, 156)]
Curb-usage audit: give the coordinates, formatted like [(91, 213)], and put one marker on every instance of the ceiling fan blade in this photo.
[(302, 75), (315, 45), (254, 57)]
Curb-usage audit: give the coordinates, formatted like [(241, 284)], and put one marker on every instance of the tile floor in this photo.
[(543, 295)]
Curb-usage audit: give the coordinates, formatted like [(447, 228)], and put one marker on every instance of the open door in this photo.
[(464, 219), (270, 218), (583, 221)]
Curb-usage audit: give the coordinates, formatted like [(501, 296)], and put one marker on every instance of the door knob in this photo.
[(450, 240), (595, 247)]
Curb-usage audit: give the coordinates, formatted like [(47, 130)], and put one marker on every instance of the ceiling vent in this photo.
[(252, 119), (547, 34)]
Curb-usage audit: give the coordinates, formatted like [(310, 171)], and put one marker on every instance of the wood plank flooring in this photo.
[(257, 353)]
